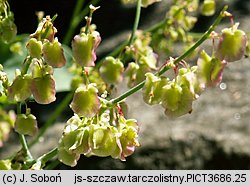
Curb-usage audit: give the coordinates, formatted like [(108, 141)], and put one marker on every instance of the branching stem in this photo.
[(176, 61)]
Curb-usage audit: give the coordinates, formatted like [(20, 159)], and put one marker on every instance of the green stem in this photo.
[(122, 45), (77, 18), (52, 165), (118, 49), (136, 23), (176, 61), (44, 35), (53, 118), (22, 138), (26, 65), (48, 156)]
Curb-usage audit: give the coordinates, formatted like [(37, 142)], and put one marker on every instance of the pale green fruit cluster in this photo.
[(175, 96), (101, 135), (144, 59), (45, 53)]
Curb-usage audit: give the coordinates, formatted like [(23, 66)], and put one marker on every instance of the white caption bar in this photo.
[(128, 177)]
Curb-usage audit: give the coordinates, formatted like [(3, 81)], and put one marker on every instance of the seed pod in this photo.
[(45, 30), (171, 96), (53, 54), (39, 70), (188, 77), (208, 7), (128, 140), (184, 105), (152, 89), (131, 73), (189, 22), (210, 70), (8, 30), (43, 89), (26, 124), (77, 141), (76, 82), (85, 101), (148, 57), (232, 44), (84, 48), (67, 157), (102, 141), (35, 48), (7, 121), (136, 73), (20, 89), (111, 70)]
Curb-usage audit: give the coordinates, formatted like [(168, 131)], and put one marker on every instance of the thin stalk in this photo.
[(131, 39), (136, 23), (26, 65), (176, 61), (73, 23), (22, 137), (44, 35), (123, 44), (48, 156), (53, 118), (52, 165), (76, 20)]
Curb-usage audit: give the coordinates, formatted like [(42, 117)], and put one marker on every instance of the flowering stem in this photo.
[(76, 19), (118, 49), (176, 61), (22, 139), (136, 23), (122, 45), (73, 22), (48, 156)]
